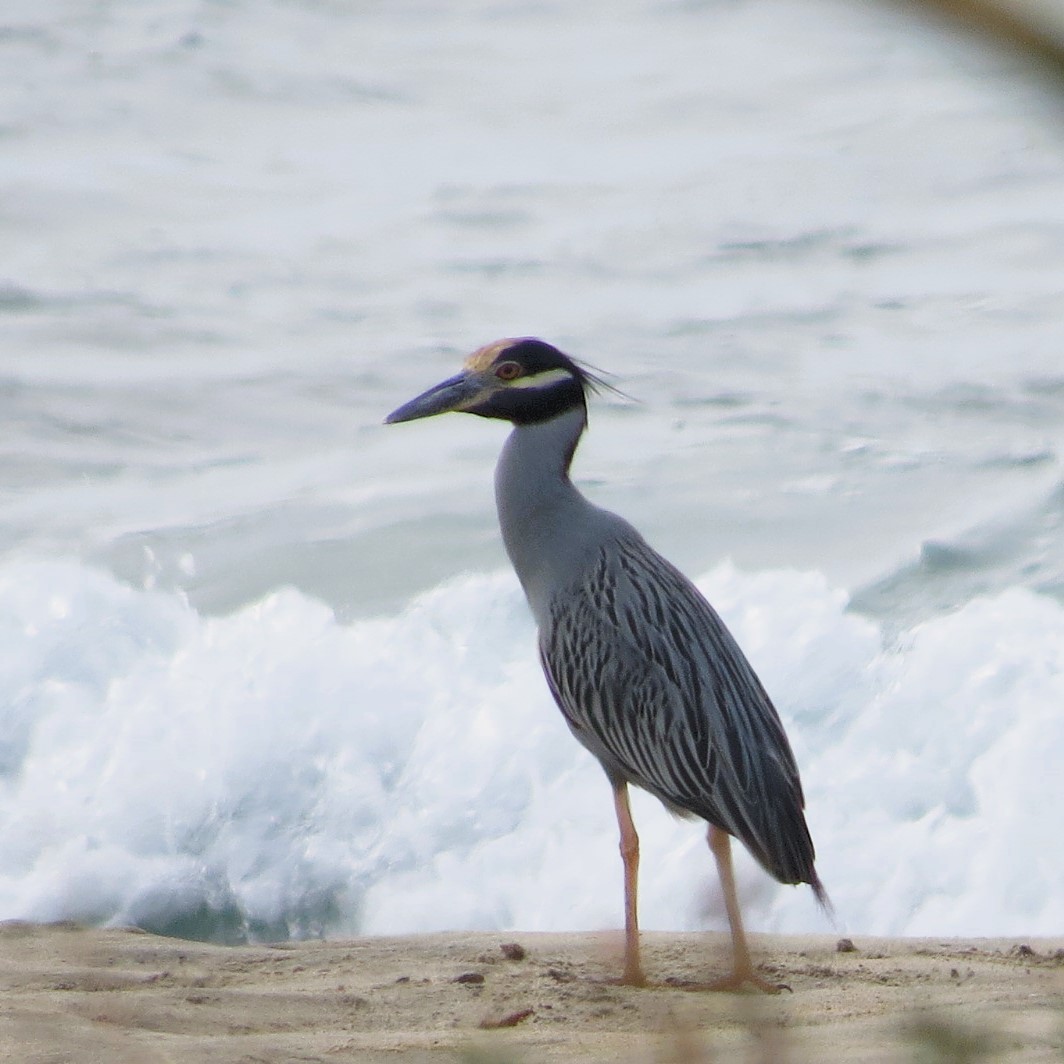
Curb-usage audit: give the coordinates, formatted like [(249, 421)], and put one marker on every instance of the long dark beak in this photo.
[(451, 394)]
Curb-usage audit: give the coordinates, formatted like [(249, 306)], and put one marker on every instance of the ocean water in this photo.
[(264, 670)]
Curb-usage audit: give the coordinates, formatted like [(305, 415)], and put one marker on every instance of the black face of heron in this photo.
[(523, 381)]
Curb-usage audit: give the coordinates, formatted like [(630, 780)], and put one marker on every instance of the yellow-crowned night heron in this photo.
[(645, 672)]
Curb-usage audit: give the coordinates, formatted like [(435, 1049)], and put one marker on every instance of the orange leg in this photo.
[(633, 971), (742, 967)]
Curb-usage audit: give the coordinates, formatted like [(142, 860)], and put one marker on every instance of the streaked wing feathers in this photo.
[(652, 682)]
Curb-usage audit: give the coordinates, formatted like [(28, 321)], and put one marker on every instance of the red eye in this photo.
[(508, 371)]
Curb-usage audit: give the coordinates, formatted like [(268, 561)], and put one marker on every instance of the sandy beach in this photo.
[(126, 997)]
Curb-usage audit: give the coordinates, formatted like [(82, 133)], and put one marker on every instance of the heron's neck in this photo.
[(538, 505)]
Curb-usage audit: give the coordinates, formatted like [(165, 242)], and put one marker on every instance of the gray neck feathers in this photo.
[(546, 523)]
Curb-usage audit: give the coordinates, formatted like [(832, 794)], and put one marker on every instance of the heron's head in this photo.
[(524, 381)]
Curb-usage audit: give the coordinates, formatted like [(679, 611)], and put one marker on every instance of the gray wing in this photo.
[(654, 685)]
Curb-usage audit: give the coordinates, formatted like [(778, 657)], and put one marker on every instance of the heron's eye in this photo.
[(508, 371)]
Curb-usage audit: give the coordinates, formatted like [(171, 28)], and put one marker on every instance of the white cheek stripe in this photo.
[(540, 380)]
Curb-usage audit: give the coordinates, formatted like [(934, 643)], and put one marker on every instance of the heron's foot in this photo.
[(744, 981), (633, 976)]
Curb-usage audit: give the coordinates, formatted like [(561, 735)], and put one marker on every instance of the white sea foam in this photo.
[(820, 242), (274, 772)]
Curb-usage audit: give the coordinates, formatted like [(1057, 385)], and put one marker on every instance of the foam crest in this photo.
[(275, 773)]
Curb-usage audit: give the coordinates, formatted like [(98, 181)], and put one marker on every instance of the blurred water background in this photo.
[(264, 670)]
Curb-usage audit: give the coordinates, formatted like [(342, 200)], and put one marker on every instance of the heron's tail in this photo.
[(821, 896)]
